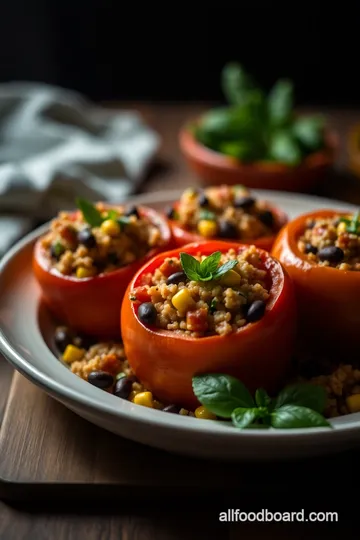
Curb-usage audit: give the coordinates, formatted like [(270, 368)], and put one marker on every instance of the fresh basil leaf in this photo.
[(262, 398), (207, 214), (210, 264), (284, 148), (112, 214), (235, 83), (303, 394), (295, 416), (221, 394), (91, 214), (280, 103), (225, 268), (309, 131), (243, 418), (191, 266)]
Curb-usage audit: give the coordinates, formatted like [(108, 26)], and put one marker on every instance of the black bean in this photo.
[(244, 202), (100, 379), (331, 254), (123, 387), (267, 218), (311, 224), (63, 337), (172, 409), (170, 212), (86, 238), (176, 278), (147, 313), (309, 248), (255, 311), (227, 229), (203, 200), (133, 211)]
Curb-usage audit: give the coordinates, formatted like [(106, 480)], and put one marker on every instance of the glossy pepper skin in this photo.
[(182, 236), (92, 305), (259, 354), (328, 299)]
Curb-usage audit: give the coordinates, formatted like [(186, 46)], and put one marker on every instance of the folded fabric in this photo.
[(55, 145)]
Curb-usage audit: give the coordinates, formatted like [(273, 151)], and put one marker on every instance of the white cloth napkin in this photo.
[(55, 145)]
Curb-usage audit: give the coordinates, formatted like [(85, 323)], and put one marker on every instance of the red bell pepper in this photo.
[(92, 305), (259, 354), (183, 236), (328, 298)]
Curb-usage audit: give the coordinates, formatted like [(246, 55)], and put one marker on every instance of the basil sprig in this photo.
[(206, 270), (352, 225), (255, 125), (296, 406), (95, 218)]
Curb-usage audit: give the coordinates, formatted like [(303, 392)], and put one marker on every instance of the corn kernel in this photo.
[(230, 279), (132, 395), (341, 228), (110, 227), (207, 228), (145, 399), (82, 272), (353, 403), (72, 354), (183, 300), (204, 414)]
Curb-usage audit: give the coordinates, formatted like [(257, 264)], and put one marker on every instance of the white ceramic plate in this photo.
[(26, 329)]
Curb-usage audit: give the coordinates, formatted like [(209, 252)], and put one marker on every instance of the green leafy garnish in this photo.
[(221, 394), (255, 125), (91, 214), (296, 406), (352, 225), (57, 249), (208, 269), (95, 218)]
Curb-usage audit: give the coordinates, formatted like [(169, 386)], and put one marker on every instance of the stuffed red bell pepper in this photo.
[(227, 213), (209, 307), (321, 252), (84, 263)]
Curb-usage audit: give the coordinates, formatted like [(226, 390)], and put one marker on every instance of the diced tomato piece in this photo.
[(197, 320), (169, 267), (141, 294), (68, 234), (111, 364)]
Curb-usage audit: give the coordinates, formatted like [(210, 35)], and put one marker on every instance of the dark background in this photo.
[(171, 53)]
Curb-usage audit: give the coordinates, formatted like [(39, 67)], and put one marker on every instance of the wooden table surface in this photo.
[(168, 172)]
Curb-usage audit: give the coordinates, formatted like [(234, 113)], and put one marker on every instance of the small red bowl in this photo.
[(214, 168)]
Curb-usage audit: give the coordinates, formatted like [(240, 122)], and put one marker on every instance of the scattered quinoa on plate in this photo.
[(98, 239), (172, 299), (228, 212), (104, 365), (332, 241)]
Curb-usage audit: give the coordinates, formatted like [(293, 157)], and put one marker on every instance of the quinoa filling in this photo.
[(172, 298), (224, 212), (84, 244), (333, 241)]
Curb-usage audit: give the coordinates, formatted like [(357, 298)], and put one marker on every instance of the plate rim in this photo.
[(59, 390)]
